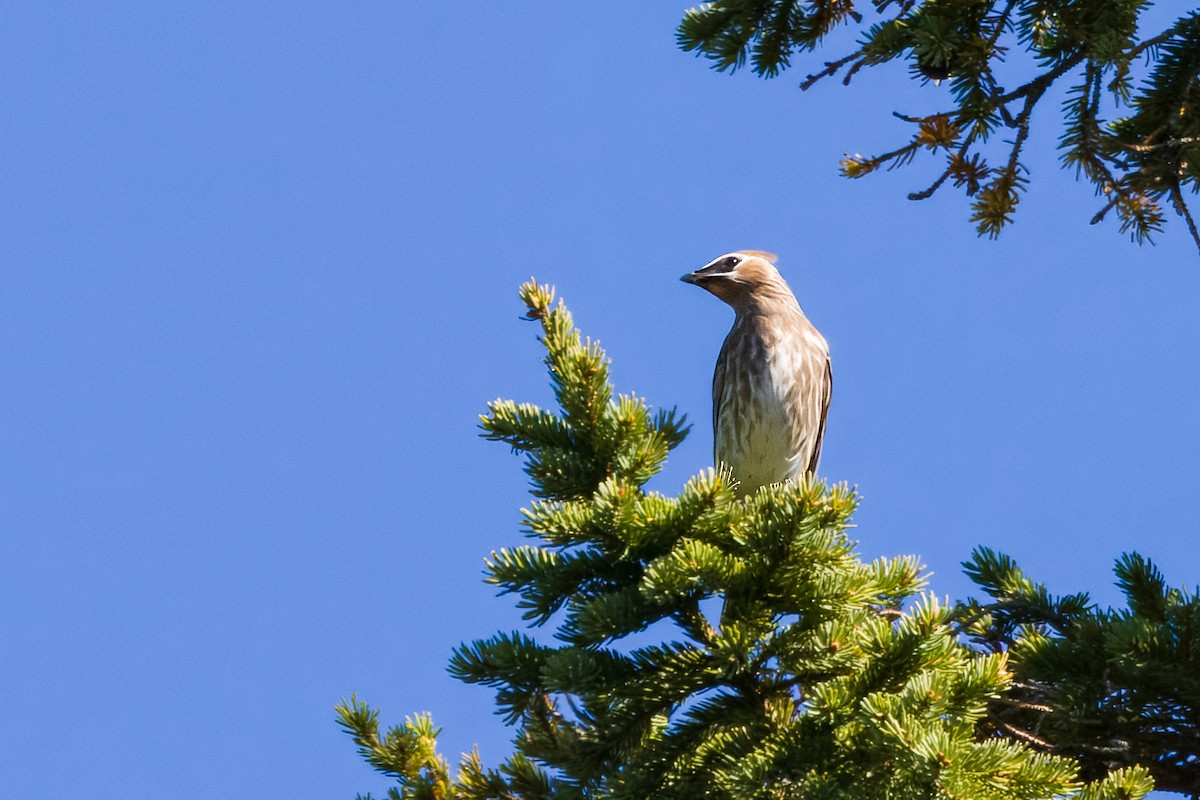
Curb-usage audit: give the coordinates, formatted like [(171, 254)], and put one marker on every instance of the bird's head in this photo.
[(741, 278)]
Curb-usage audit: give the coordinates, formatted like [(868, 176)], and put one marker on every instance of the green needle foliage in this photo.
[(1110, 688), (708, 646), (1144, 155)]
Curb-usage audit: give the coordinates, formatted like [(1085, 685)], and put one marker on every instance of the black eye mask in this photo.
[(726, 264)]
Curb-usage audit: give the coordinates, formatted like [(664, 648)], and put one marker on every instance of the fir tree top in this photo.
[(705, 645)]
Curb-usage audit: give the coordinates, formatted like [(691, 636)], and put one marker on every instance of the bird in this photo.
[(773, 379)]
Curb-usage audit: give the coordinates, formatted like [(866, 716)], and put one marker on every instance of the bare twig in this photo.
[(919, 120), (889, 613), (1102, 213), (1169, 142), (1018, 733), (831, 67), (1023, 705), (1023, 128), (1182, 210), (925, 194), (854, 68)]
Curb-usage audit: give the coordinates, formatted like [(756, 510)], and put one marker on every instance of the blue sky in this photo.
[(259, 278)]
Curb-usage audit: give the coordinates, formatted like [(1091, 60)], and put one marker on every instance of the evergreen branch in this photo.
[(407, 753), (1041, 83), (964, 42), (1109, 688), (1002, 24), (1162, 38), (692, 620), (525, 426), (825, 676), (957, 158)]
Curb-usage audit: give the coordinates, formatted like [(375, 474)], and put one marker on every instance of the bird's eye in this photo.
[(720, 266)]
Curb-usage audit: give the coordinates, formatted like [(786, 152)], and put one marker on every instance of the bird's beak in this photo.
[(692, 278)]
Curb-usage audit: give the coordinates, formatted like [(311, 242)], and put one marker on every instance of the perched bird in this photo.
[(773, 379)]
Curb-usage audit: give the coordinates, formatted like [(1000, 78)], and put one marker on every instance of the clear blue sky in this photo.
[(259, 275)]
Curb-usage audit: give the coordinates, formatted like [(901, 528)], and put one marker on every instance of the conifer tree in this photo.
[(1109, 687), (1133, 133), (706, 646)]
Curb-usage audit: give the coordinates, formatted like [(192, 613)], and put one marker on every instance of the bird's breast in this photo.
[(768, 403)]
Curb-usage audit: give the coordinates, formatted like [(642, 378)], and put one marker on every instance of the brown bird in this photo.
[(773, 379)]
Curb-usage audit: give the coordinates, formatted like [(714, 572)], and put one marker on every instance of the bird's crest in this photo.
[(761, 254)]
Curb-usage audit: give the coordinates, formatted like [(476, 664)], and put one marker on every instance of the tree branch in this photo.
[(1182, 209), (831, 68)]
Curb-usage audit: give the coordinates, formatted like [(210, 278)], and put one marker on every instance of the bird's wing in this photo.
[(826, 396), (718, 389)]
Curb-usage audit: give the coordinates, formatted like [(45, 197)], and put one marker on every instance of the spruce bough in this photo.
[(772, 662), (1132, 131)]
